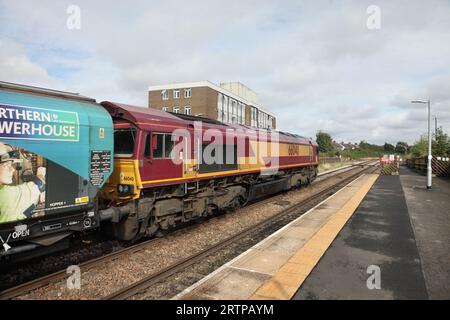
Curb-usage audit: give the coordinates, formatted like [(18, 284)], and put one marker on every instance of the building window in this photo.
[(225, 109), (188, 110), (254, 117), (165, 95), (219, 107), (233, 107), (260, 119), (176, 93), (241, 113), (187, 92), (165, 109), (176, 109)]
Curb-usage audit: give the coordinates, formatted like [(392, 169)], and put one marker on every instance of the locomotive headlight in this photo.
[(125, 189)]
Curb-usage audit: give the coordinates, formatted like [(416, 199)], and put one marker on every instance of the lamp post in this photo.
[(435, 127), (429, 142)]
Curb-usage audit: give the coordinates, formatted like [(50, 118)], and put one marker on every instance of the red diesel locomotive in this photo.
[(172, 168)]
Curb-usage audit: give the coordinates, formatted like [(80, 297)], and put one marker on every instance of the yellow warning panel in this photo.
[(81, 200)]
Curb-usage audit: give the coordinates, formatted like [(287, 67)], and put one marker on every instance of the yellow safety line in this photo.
[(286, 281)]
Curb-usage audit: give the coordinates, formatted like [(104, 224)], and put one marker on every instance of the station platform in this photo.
[(401, 228), (277, 266), (380, 237)]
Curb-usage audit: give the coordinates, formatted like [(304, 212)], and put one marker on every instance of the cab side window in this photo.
[(147, 146), (168, 145), (158, 145), (162, 145)]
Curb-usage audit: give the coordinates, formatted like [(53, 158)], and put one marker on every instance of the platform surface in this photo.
[(400, 227), (430, 216)]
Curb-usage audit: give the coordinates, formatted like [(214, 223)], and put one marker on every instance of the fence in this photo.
[(440, 166), (390, 168)]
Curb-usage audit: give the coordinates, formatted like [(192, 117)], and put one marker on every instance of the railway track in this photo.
[(321, 176), (163, 274), (153, 279)]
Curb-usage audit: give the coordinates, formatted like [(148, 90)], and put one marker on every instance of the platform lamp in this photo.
[(435, 127), (429, 142)]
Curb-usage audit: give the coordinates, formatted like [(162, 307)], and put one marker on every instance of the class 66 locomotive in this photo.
[(70, 166)]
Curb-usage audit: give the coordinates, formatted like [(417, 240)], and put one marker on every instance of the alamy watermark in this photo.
[(73, 21), (374, 280), (373, 21), (258, 147), (74, 280)]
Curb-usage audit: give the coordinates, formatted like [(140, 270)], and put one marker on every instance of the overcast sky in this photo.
[(315, 64)]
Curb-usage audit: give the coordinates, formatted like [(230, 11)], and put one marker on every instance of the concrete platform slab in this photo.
[(228, 285), (285, 243), (263, 261)]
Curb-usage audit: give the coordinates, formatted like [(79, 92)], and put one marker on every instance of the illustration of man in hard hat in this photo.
[(17, 202)]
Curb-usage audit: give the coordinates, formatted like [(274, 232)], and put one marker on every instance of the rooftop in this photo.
[(209, 85)]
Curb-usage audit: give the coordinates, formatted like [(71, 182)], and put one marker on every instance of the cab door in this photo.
[(158, 163)]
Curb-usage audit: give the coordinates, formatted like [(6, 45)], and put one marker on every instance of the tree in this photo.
[(441, 143), (324, 141), (440, 146), (389, 147), (401, 147), (420, 147)]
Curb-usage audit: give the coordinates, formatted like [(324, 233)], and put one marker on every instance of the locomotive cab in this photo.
[(123, 184), (143, 147)]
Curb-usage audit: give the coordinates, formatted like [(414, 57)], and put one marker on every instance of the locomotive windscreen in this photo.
[(124, 141)]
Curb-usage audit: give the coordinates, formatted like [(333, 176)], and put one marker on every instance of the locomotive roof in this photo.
[(139, 114), (44, 91), (148, 116), (197, 118)]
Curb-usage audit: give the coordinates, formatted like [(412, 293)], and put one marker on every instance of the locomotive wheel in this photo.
[(152, 227)]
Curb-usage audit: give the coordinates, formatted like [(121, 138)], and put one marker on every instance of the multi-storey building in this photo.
[(228, 103)]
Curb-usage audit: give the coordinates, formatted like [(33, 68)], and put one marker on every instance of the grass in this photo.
[(330, 166)]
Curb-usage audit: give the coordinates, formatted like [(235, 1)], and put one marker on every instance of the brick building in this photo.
[(229, 103)]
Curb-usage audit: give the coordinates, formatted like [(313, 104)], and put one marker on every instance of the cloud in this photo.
[(315, 64), (15, 65)]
